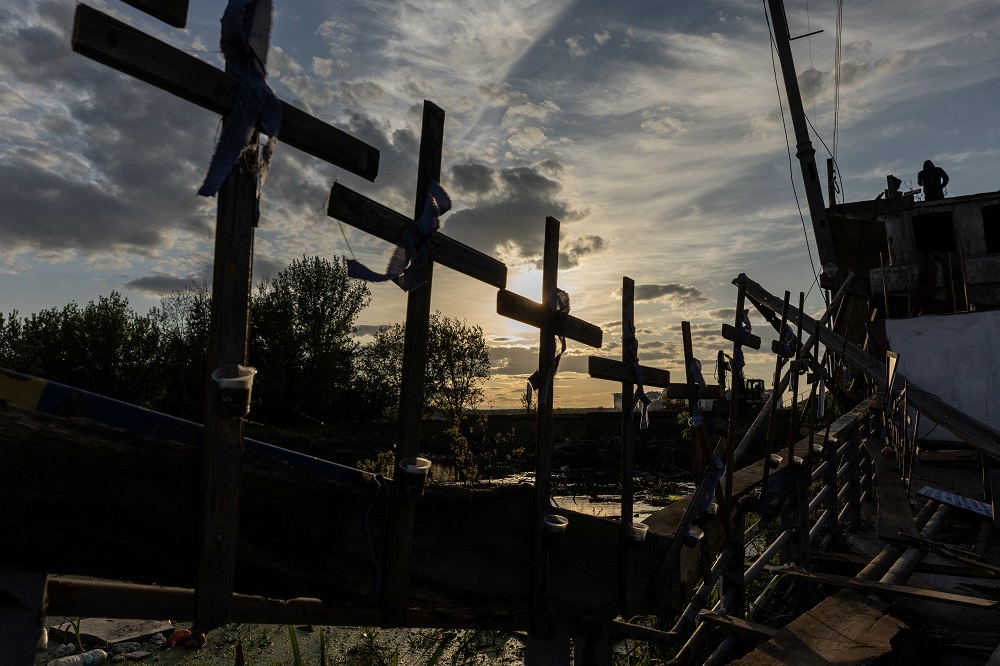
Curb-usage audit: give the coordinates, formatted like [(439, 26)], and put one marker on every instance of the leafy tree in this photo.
[(458, 362), (184, 319), (104, 347), (301, 340)]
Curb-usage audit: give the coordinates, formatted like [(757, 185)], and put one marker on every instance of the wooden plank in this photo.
[(619, 371), (372, 217), (411, 392), (222, 458), (894, 514), (128, 50), (690, 392), (846, 628), (627, 446), (529, 312), (733, 334), (886, 588), (171, 12), (737, 625)]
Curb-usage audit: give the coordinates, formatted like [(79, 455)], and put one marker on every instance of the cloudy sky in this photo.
[(651, 129)]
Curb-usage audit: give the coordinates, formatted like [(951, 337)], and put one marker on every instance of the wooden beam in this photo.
[(733, 334), (171, 12), (690, 392), (737, 625), (122, 47), (396, 576), (529, 312), (886, 588), (372, 217), (222, 457), (618, 371)]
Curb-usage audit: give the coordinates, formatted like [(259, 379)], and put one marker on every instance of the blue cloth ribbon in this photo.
[(630, 350), (558, 302), (413, 247), (246, 37)]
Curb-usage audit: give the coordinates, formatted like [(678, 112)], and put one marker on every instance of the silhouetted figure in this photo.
[(933, 179)]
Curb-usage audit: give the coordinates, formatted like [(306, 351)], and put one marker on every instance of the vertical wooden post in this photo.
[(734, 397), (733, 581), (411, 397), (546, 645), (22, 610), (777, 348), (697, 432), (854, 474), (793, 383), (592, 644), (223, 454), (830, 479), (628, 441)]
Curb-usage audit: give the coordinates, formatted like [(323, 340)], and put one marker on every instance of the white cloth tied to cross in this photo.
[(558, 302), (413, 247), (246, 37)]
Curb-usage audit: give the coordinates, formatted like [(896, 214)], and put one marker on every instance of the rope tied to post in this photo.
[(413, 247), (630, 349), (558, 302)]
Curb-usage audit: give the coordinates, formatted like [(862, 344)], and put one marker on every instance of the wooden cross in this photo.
[(128, 50), (387, 224), (543, 646), (623, 371)]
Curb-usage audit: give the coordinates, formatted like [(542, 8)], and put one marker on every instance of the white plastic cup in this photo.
[(414, 471), (235, 382), (637, 533), (775, 460), (555, 529), (694, 535)]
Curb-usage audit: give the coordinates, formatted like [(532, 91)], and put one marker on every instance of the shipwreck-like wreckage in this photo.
[(254, 533)]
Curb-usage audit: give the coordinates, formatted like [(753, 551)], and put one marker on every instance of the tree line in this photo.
[(302, 342)]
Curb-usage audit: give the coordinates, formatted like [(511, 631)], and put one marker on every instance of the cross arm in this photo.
[(529, 312), (690, 392), (730, 333), (619, 371), (171, 12), (372, 217), (122, 47)]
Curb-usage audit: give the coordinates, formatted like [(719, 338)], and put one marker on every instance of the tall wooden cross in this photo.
[(545, 646), (128, 50), (623, 371), (387, 224)]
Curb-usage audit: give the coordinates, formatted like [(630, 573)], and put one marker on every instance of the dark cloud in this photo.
[(503, 211), (677, 295), (159, 285)]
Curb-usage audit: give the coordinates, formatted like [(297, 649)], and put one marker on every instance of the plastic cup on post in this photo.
[(414, 471), (235, 382), (637, 533), (555, 529)]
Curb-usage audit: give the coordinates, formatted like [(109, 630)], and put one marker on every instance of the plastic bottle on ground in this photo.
[(85, 659)]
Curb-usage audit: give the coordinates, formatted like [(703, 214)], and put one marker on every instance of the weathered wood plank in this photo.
[(171, 12), (737, 625), (222, 456), (619, 371), (846, 628), (411, 393), (529, 312), (381, 221), (733, 334), (690, 392), (128, 50), (894, 514), (887, 588)]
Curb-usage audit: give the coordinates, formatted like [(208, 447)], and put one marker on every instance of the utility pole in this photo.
[(804, 151)]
